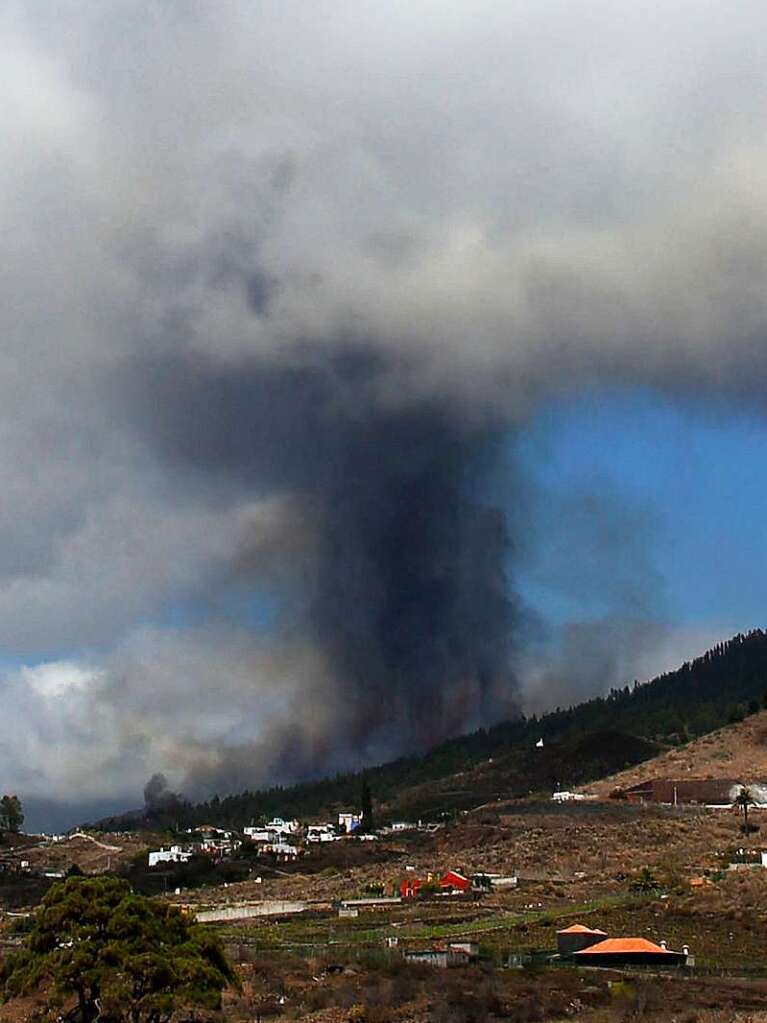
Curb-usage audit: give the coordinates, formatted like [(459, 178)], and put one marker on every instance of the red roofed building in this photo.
[(575, 938), (409, 888), (452, 881), (455, 881), (627, 951)]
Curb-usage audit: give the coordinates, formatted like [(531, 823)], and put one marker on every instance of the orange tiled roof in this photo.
[(621, 945), (580, 929)]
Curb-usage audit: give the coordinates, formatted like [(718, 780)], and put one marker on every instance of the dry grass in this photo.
[(396, 992), (736, 751), (93, 854), (568, 854)]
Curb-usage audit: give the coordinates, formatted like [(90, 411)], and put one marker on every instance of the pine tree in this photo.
[(11, 813), (125, 958), (366, 804)]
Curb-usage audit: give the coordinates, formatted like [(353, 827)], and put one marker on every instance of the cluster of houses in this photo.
[(206, 840), (283, 840), (278, 838), (576, 944), (276, 830)]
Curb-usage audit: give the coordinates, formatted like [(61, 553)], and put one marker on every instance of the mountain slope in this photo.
[(724, 684), (735, 751)]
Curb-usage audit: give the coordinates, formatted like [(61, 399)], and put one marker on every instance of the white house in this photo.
[(349, 821), (321, 833), (565, 796), (284, 827), (173, 855), (282, 850), (261, 834), (209, 839)]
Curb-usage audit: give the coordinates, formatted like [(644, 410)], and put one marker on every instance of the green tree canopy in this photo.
[(122, 958), (11, 813)]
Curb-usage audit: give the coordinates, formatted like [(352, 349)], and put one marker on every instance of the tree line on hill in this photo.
[(721, 686)]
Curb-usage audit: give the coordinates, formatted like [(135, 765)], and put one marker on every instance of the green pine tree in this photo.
[(113, 955), (367, 823)]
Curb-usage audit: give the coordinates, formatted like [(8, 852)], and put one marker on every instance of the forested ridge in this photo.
[(723, 685)]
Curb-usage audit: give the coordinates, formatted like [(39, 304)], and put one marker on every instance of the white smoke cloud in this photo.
[(194, 700)]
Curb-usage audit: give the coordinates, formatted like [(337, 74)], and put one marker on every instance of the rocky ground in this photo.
[(91, 853)]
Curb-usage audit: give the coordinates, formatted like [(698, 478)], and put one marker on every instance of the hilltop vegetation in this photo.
[(587, 741)]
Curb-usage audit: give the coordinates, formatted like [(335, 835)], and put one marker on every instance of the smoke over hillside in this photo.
[(395, 561), (283, 281)]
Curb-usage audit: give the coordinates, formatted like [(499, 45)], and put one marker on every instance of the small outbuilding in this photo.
[(576, 938), (442, 958), (471, 948)]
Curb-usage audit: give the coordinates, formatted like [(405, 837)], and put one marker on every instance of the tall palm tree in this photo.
[(743, 800)]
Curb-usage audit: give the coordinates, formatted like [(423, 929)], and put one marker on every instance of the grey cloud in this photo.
[(278, 274), (406, 590), (584, 659)]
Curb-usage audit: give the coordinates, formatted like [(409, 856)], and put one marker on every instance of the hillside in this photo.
[(525, 770), (725, 684), (736, 751)]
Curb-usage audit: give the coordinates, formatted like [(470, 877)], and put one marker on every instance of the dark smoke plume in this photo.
[(402, 583), (158, 796)]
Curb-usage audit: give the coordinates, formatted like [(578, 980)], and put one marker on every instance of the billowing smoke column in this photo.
[(282, 279), (157, 795), (400, 579)]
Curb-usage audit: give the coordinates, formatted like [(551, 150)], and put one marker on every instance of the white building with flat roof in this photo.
[(173, 855)]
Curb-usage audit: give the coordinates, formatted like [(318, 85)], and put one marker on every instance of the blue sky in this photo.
[(688, 482)]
